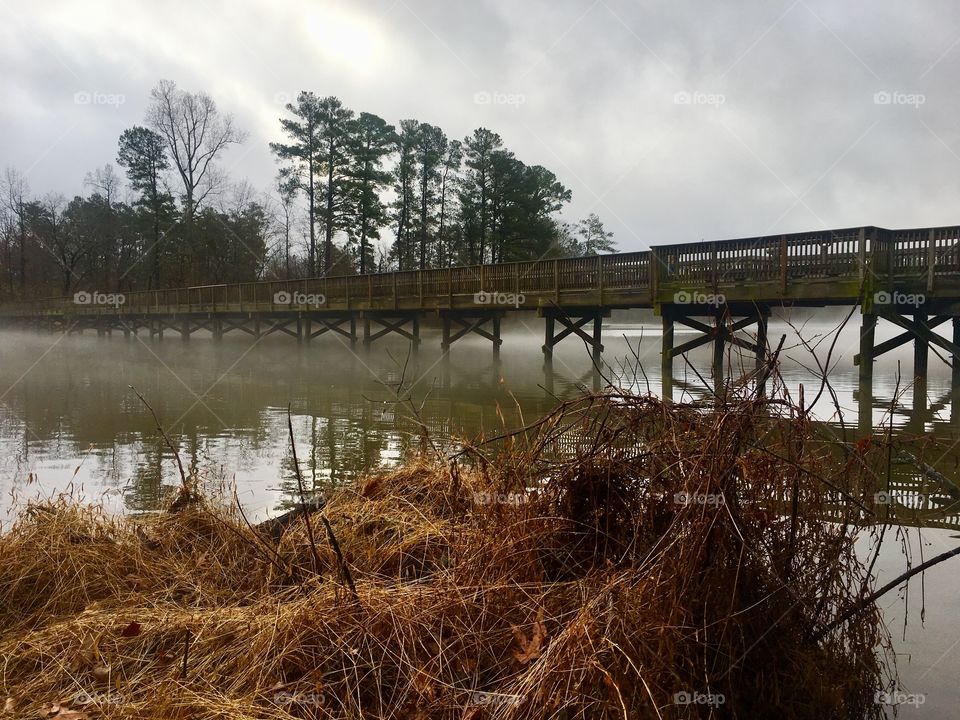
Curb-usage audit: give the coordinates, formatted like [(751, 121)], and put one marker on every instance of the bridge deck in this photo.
[(812, 268)]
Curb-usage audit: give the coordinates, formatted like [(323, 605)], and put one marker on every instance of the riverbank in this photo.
[(673, 561)]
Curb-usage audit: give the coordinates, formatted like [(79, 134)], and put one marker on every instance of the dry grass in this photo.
[(601, 594)]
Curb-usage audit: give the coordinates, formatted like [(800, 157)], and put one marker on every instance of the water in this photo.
[(70, 420)]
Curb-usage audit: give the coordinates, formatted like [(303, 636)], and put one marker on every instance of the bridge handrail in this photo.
[(845, 254)]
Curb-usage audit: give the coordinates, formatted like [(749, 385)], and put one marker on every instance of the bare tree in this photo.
[(15, 191), (105, 181), (195, 134)]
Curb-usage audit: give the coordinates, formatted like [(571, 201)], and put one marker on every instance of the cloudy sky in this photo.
[(673, 120)]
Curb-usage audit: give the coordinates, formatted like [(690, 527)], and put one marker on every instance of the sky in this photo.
[(673, 121)]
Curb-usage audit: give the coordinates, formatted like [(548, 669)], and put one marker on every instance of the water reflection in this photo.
[(68, 414)]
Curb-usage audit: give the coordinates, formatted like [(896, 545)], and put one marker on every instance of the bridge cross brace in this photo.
[(918, 324), (720, 333), (328, 323), (391, 323), (573, 320), (471, 322)]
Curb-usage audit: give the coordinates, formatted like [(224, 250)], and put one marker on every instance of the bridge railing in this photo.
[(765, 266)]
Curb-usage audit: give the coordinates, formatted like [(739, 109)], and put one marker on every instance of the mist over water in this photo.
[(68, 415)]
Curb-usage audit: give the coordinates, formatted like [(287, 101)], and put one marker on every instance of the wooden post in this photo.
[(862, 254), (548, 335), (761, 338), (955, 376), (920, 349), (445, 342), (931, 259), (666, 358), (415, 321), (783, 264), (720, 331), (495, 320), (761, 345), (597, 346), (599, 279), (867, 331)]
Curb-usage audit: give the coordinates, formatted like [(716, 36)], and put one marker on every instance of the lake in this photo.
[(69, 420)]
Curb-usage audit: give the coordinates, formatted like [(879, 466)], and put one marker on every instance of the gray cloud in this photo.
[(674, 121)]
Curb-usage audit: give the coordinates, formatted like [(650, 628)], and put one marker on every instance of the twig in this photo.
[(303, 501), (176, 454), (866, 602), (344, 568), (186, 654)]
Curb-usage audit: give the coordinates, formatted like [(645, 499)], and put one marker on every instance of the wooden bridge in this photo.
[(909, 277)]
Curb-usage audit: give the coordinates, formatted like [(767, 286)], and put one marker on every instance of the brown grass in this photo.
[(591, 592)]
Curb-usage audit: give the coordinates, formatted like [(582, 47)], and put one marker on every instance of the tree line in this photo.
[(353, 194)]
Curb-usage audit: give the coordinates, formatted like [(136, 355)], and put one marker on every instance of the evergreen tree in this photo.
[(303, 154), (371, 141)]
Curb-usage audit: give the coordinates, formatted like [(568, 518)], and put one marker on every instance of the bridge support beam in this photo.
[(458, 324), (333, 324), (918, 327), (722, 332), (666, 359), (573, 321), (391, 322), (281, 324)]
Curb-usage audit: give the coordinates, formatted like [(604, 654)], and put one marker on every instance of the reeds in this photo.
[(619, 558)]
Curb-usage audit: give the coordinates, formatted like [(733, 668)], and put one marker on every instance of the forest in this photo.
[(352, 194)]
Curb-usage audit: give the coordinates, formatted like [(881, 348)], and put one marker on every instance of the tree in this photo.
[(304, 156), (475, 195), (430, 152), (448, 175), (404, 185), (334, 135), (371, 141), (593, 238), (14, 195), (141, 152), (195, 134), (67, 233), (287, 193)]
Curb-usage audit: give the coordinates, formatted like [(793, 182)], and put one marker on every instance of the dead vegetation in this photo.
[(619, 558)]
